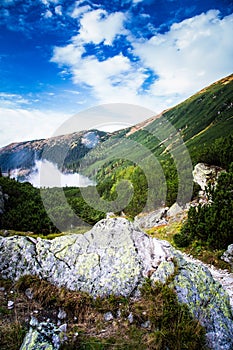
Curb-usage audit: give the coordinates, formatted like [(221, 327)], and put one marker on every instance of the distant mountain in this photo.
[(23, 155), (200, 121)]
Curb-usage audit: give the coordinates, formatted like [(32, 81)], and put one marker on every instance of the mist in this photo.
[(46, 174)]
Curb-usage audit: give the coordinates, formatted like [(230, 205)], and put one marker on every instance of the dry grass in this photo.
[(87, 329)]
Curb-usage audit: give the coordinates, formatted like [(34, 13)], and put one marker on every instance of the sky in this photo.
[(62, 57)]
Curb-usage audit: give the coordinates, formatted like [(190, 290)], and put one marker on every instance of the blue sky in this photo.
[(59, 57)]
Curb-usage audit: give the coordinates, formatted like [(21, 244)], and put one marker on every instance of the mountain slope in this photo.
[(23, 155), (199, 121)]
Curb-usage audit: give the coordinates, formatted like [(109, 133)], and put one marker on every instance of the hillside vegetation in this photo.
[(153, 149)]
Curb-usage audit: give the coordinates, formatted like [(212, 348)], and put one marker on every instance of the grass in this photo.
[(77, 230), (170, 324)]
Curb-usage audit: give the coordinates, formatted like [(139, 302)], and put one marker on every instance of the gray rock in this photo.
[(29, 293), (63, 328), (153, 219), (42, 336), (174, 210), (108, 316), (130, 317), (10, 305), (61, 314), (228, 255), (146, 324), (114, 257)]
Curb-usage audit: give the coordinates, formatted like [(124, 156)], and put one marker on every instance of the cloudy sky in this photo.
[(60, 57)]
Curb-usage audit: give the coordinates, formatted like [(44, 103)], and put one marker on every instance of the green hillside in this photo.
[(198, 130)]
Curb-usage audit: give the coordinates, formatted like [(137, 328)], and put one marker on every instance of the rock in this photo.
[(34, 322), (204, 174), (153, 219), (61, 314), (146, 324), (44, 335), (228, 255), (10, 305), (130, 318), (174, 210), (63, 328), (114, 258), (108, 316), (29, 293)]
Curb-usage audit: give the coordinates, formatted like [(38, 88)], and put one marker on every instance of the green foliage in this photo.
[(213, 222), (24, 209)]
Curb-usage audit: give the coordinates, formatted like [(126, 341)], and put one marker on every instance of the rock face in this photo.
[(114, 258), (228, 255), (204, 174)]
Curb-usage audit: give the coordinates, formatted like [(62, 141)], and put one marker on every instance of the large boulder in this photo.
[(114, 257)]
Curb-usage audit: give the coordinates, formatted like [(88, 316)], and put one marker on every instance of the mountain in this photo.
[(198, 129), (23, 155)]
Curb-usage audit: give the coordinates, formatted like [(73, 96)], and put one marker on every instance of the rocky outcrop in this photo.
[(204, 174), (114, 257), (228, 255)]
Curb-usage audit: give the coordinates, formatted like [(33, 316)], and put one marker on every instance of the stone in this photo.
[(204, 174), (5, 233), (114, 258), (130, 317), (61, 314), (29, 293), (63, 328), (153, 219), (108, 316), (228, 255), (10, 305), (174, 210), (146, 324)]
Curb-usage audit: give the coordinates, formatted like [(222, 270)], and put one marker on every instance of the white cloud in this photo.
[(48, 14), (58, 10), (97, 26), (20, 124), (190, 55), (79, 10), (12, 100)]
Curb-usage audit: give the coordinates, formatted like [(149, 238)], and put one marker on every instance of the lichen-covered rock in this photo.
[(42, 336), (114, 257)]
